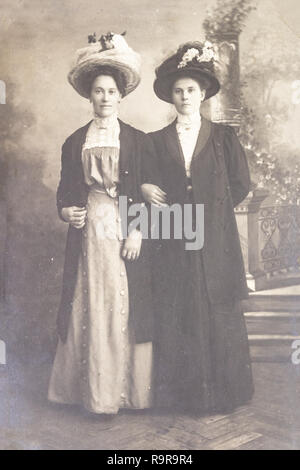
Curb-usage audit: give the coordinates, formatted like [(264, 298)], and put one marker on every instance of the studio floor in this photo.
[(271, 421)]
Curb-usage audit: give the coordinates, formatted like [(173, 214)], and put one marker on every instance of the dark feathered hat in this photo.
[(192, 59)]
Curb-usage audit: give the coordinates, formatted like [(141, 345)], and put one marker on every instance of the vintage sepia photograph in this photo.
[(150, 227)]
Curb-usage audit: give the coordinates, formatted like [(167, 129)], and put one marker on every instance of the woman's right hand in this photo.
[(74, 215), (153, 194)]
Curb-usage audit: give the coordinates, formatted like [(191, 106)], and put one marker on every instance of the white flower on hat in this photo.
[(119, 42), (208, 54), (188, 57)]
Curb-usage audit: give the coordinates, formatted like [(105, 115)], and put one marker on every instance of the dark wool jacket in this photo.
[(220, 181), (135, 148)]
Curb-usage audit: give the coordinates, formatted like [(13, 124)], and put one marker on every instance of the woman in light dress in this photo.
[(105, 323)]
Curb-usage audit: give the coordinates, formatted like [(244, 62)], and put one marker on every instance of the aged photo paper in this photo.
[(150, 225)]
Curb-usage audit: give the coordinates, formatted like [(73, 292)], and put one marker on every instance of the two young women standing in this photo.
[(145, 324)]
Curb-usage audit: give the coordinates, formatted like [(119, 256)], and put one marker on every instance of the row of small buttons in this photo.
[(124, 328), (85, 310), (123, 287), (219, 152)]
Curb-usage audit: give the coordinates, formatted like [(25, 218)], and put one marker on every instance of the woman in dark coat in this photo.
[(201, 348), (104, 355)]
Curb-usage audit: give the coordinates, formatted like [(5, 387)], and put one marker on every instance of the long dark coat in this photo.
[(135, 147), (220, 181), (201, 352)]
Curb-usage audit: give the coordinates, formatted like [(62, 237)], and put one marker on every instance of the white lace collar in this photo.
[(106, 122), (193, 120)]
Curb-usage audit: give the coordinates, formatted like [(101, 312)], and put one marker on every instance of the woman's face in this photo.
[(187, 95), (105, 96)]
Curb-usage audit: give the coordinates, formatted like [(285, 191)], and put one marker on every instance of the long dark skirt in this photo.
[(201, 351)]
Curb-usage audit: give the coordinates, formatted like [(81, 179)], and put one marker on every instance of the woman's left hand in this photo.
[(132, 245), (154, 195)]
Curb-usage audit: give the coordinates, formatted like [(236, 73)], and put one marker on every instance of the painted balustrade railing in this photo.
[(270, 240)]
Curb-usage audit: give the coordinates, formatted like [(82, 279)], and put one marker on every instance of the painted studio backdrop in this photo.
[(38, 40)]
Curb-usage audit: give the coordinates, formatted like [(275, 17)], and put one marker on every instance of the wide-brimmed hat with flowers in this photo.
[(110, 51), (192, 59)]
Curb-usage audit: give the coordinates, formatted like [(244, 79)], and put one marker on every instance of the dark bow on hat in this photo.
[(105, 40)]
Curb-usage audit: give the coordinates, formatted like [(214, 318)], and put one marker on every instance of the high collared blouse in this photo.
[(100, 154), (188, 130)]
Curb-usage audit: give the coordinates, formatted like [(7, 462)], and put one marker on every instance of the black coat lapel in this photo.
[(78, 141), (173, 143), (203, 136), (126, 146)]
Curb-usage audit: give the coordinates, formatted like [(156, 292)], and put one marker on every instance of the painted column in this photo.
[(225, 106)]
